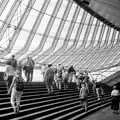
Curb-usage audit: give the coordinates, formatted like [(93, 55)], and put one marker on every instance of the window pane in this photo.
[(48, 43), (72, 12), (7, 10), (43, 24), (98, 33), (59, 44), (1, 23), (62, 9), (104, 35), (38, 4), (91, 32), (85, 25), (18, 14), (110, 37), (19, 43), (74, 31), (116, 37), (54, 27), (35, 42), (65, 30), (7, 36), (80, 15), (22, 38), (51, 7), (30, 20), (70, 43)]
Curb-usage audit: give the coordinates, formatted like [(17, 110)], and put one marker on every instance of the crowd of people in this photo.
[(55, 77), (15, 81), (61, 77)]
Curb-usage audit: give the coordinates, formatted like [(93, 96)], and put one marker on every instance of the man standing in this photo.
[(49, 78), (29, 66), (11, 66), (12, 61)]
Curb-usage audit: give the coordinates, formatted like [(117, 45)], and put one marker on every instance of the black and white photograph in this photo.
[(59, 59)]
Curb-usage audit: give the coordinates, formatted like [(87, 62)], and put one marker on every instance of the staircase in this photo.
[(37, 104)]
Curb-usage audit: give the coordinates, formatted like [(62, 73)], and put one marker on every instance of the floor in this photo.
[(103, 114)]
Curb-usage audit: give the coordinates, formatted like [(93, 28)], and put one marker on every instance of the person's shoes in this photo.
[(17, 109), (86, 110), (98, 98)]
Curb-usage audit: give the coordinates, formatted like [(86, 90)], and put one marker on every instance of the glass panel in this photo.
[(25, 2), (38, 4), (98, 33), (48, 43), (51, 7), (110, 37), (54, 27), (94, 21), (85, 25), (116, 37), (70, 43), (62, 9), (104, 35), (91, 32), (59, 44), (43, 24), (6, 10), (1, 23), (72, 11), (19, 43), (65, 30), (87, 19), (30, 20), (7, 36), (35, 42), (22, 38), (18, 14), (80, 15), (74, 31), (4, 43)]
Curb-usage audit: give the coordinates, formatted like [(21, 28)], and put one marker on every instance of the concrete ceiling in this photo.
[(109, 9)]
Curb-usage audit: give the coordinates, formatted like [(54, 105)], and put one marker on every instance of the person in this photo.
[(49, 78), (86, 80), (43, 68), (65, 78), (79, 80), (71, 71), (84, 96), (16, 91), (13, 62), (99, 91), (115, 99), (8, 75), (94, 86), (28, 68), (19, 66), (59, 77)]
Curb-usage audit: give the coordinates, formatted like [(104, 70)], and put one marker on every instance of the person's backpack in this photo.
[(19, 84)]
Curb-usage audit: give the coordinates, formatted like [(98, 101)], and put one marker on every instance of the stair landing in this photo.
[(103, 114)]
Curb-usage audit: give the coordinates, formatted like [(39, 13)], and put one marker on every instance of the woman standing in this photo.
[(84, 96), (16, 90), (115, 99)]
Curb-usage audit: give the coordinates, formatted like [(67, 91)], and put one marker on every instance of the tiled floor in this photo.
[(104, 114)]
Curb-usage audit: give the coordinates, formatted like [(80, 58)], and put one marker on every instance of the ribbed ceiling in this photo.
[(59, 31)]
